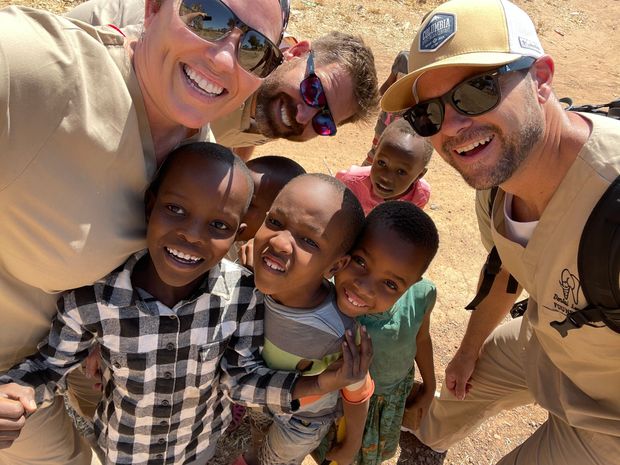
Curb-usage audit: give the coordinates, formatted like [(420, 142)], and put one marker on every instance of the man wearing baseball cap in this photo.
[(480, 87)]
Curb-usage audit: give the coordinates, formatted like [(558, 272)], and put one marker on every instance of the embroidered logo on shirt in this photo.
[(567, 300)]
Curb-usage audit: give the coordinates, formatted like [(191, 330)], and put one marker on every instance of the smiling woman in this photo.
[(91, 116), (190, 71)]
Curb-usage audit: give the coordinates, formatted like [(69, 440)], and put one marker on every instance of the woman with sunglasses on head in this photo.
[(86, 117)]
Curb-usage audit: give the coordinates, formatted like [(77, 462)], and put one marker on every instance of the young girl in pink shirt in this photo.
[(396, 173)]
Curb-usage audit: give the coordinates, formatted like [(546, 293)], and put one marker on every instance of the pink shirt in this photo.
[(357, 178)]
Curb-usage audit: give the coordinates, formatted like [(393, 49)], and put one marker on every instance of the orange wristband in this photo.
[(361, 394)]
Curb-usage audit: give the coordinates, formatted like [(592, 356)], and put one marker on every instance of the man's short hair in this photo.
[(358, 61)]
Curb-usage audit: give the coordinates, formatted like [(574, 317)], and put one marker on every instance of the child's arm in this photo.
[(350, 369), (16, 403), (36, 378), (248, 381), (66, 346), (418, 402), (355, 421)]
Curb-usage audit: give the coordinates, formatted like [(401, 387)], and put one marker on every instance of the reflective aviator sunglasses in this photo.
[(212, 20), (472, 97), (313, 94)]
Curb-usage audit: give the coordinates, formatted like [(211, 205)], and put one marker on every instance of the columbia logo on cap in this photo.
[(437, 31)]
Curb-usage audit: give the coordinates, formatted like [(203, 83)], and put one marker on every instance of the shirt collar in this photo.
[(125, 66), (118, 290)]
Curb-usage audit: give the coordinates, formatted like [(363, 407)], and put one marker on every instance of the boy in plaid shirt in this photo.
[(179, 328)]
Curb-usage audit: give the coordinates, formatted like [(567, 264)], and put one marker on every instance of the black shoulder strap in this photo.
[(491, 267), (599, 265), (613, 107)]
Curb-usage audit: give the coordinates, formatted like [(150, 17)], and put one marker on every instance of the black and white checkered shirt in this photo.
[(168, 373)]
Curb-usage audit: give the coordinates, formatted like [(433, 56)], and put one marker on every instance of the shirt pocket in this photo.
[(208, 362)]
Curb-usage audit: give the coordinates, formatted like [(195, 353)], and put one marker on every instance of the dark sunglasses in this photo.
[(313, 94), (212, 20), (472, 97)]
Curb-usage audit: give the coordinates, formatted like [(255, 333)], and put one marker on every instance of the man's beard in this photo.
[(267, 117), (514, 151)]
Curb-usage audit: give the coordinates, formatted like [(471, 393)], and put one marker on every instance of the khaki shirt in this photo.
[(237, 129), (126, 14), (76, 155), (577, 378)]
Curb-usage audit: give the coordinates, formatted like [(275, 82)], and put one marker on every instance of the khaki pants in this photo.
[(498, 383), (82, 394), (48, 438)]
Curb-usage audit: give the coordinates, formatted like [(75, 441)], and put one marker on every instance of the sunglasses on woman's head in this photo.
[(212, 20), (472, 97), (313, 94)]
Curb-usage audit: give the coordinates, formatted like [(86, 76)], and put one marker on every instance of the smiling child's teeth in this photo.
[(182, 255), (353, 302), (271, 264)]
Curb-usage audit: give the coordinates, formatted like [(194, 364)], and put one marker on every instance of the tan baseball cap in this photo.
[(465, 33)]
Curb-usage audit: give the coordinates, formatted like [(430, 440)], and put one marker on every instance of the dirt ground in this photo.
[(581, 35)]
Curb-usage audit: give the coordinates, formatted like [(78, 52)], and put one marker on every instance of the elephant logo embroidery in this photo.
[(570, 287)]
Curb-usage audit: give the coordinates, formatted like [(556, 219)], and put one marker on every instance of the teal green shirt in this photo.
[(394, 335)]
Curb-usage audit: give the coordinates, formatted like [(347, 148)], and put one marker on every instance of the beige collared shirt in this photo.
[(238, 129), (76, 155), (577, 377)]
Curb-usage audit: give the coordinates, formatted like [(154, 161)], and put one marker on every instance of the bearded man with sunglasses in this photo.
[(480, 89), (291, 103), (86, 117)]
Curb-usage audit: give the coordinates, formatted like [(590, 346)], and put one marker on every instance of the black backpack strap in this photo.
[(613, 107), (491, 268), (599, 265)]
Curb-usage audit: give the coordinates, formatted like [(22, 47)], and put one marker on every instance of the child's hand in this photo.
[(16, 403), (342, 453), (417, 407), (92, 367), (352, 367)]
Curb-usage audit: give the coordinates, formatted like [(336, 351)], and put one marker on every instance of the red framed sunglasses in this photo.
[(313, 94)]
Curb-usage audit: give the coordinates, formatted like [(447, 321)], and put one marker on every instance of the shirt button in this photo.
[(163, 423), (172, 317), (160, 456), (165, 403), (116, 365), (167, 375), (161, 440), (170, 346)]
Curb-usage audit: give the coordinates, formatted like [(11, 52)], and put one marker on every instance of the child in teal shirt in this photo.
[(382, 287)]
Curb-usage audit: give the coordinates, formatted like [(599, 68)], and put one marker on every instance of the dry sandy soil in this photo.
[(581, 35)]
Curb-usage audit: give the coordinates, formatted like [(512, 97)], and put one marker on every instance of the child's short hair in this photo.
[(216, 152), (283, 169), (351, 208), (409, 222), (402, 126)]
